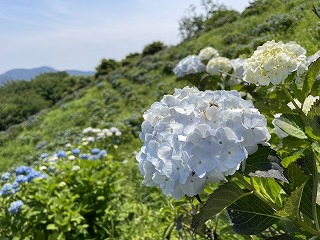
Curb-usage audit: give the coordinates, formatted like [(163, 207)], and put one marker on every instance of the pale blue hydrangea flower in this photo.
[(84, 156), (6, 189), (102, 153), (23, 170), (95, 151), (75, 151), (189, 65), (194, 137), (5, 176), (21, 179), (61, 154), (44, 155), (15, 206)]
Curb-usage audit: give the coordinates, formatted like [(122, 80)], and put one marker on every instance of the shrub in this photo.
[(152, 48), (106, 66)]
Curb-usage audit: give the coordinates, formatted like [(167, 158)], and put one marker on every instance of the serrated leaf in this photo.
[(221, 198), (268, 187), (313, 128), (290, 128), (249, 215), (264, 163), (309, 195), (295, 176), (295, 156), (313, 72), (292, 203)]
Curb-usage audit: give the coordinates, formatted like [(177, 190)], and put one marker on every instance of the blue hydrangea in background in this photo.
[(61, 154), (95, 151), (15, 206), (23, 170), (6, 189), (5, 176), (76, 151)]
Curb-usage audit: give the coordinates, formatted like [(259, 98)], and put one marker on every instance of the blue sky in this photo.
[(77, 34)]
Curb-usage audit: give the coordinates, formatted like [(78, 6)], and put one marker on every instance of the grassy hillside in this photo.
[(119, 98), (122, 95)]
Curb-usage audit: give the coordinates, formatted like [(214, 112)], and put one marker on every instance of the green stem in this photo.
[(302, 115)]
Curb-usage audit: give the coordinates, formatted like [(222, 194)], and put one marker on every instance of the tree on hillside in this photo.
[(50, 86), (106, 66), (195, 22)]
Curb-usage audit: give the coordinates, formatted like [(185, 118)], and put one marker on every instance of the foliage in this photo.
[(152, 48), (119, 98), (214, 16), (106, 66), (22, 99)]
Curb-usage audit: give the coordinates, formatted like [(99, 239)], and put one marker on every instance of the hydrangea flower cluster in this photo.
[(193, 137), (15, 206), (24, 174), (5, 176), (207, 53), (101, 133), (93, 154), (189, 65), (273, 62), (217, 65)]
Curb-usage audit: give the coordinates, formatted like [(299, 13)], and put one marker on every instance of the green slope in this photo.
[(122, 95)]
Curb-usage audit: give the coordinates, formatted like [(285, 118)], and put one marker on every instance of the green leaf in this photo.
[(264, 163), (52, 226), (316, 147), (290, 127), (295, 176), (294, 157), (309, 195), (311, 76), (249, 215), (313, 128), (287, 226), (292, 203), (269, 106), (221, 198)]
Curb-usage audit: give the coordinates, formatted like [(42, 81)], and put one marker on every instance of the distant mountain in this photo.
[(28, 74)]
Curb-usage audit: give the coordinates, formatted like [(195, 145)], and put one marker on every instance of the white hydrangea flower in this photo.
[(273, 62), (217, 65), (207, 53), (308, 102), (87, 130), (189, 65), (194, 137)]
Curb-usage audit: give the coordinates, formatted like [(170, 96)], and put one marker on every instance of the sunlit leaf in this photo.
[(290, 127)]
